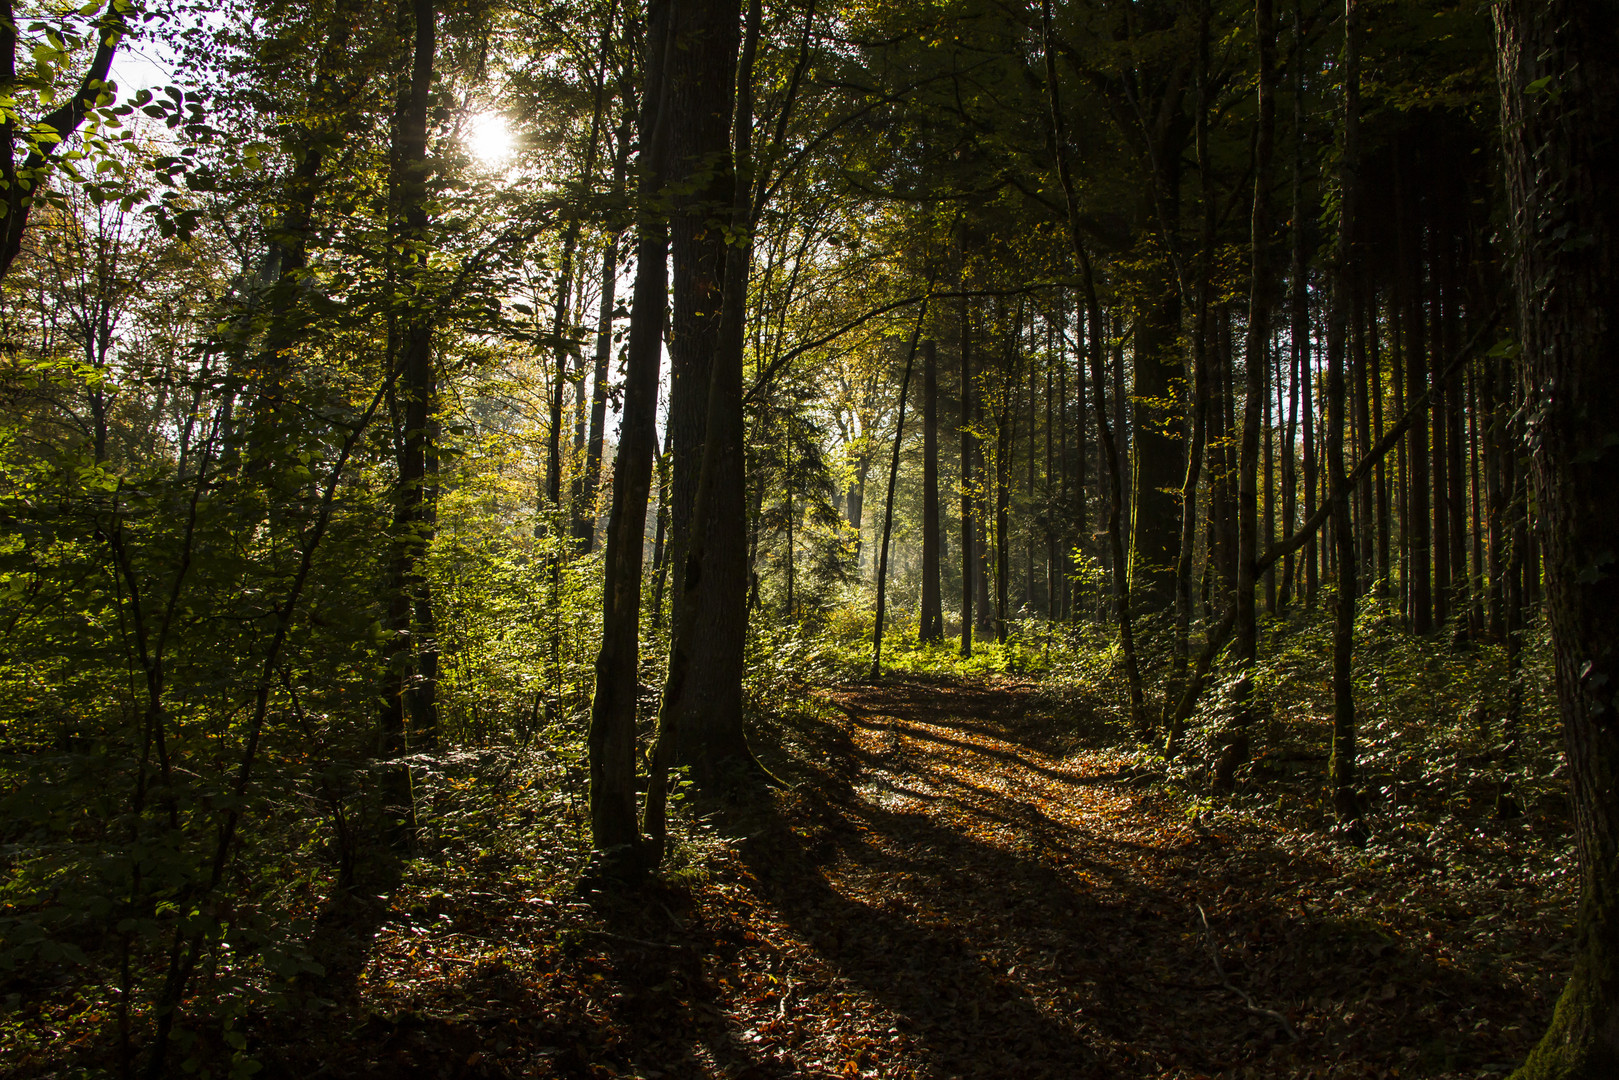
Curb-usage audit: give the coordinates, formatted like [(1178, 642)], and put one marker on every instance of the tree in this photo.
[(932, 629), (1558, 66), (614, 827)]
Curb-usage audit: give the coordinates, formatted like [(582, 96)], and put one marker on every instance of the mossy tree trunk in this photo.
[(1559, 75)]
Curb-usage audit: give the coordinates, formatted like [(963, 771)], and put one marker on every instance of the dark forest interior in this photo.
[(809, 538)]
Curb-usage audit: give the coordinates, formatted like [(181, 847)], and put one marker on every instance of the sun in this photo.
[(489, 138)]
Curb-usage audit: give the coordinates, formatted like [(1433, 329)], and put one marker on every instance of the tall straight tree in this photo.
[(932, 629), (1558, 62), (700, 720), (968, 452), (411, 700), (1345, 274), (702, 181), (1245, 651), (614, 831)]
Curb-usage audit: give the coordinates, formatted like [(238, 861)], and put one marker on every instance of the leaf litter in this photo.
[(945, 888)]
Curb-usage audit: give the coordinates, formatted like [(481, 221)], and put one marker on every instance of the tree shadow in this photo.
[(1007, 943)]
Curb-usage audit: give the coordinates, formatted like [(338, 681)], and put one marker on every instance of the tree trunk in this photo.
[(1346, 802), (1234, 742), (932, 628), (1559, 74), (701, 97), (968, 440), (702, 704), (614, 831), (888, 502), (584, 529), (410, 705)]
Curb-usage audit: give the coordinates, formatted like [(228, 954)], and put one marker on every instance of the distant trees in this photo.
[(1202, 308)]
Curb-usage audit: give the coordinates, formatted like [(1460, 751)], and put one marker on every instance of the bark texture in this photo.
[(1559, 74)]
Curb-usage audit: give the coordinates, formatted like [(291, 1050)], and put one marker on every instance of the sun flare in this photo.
[(489, 138)]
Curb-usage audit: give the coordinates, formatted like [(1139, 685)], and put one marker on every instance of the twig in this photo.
[(1208, 939), (636, 940)]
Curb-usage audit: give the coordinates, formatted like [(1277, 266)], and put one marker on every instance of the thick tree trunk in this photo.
[(703, 703), (1559, 74), (701, 97)]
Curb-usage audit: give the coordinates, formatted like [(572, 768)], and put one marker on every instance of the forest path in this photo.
[(960, 880), (1014, 902)]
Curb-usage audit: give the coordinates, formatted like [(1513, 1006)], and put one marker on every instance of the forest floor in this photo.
[(945, 889)]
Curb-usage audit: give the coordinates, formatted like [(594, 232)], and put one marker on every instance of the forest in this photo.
[(809, 538)]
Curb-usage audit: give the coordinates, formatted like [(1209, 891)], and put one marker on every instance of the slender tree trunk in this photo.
[(932, 628), (613, 828), (584, 530), (968, 449), (1346, 802), (1559, 74), (410, 704), (1234, 743), (888, 502)]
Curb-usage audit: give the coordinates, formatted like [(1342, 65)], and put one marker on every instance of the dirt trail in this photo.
[(951, 887), (1024, 914)]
